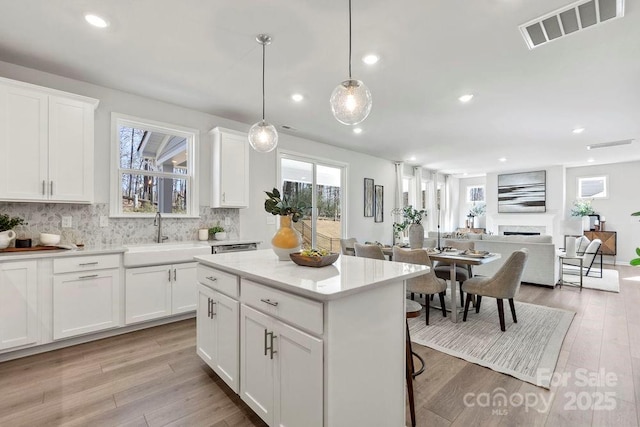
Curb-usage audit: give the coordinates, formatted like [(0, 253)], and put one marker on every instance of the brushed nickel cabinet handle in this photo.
[(51, 192), (91, 276), (273, 337), (83, 264), (265, 342), (209, 307), (169, 274), (268, 301), (43, 187), (174, 275), (213, 304), (213, 279)]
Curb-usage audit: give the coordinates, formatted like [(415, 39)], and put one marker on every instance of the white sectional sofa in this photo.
[(542, 264)]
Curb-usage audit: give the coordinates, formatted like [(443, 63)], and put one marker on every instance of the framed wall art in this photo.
[(522, 192), (368, 197), (379, 204)]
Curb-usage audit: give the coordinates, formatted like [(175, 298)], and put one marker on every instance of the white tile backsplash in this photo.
[(47, 218)]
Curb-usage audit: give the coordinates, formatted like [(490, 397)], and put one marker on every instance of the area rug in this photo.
[(527, 350), (610, 280)]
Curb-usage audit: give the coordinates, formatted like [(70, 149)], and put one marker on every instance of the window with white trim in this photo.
[(593, 187), (153, 168)]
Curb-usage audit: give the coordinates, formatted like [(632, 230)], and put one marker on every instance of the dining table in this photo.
[(454, 258)]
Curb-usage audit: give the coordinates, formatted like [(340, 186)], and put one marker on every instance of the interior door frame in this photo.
[(315, 161)]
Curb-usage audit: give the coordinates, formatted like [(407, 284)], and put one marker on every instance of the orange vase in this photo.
[(286, 240)]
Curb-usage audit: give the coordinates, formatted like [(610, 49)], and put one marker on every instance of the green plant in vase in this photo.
[(8, 223), (286, 240)]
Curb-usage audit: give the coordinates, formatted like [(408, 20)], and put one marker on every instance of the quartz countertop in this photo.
[(347, 276), (58, 253)]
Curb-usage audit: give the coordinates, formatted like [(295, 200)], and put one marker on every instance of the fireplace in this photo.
[(521, 233)]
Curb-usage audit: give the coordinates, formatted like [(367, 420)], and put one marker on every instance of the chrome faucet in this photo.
[(158, 223)]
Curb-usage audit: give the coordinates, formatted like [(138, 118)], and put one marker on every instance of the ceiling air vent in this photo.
[(570, 19), (610, 144)]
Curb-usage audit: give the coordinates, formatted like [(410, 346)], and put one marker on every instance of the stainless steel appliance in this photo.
[(235, 247)]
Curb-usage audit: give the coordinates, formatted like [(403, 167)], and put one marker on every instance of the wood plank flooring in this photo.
[(153, 377)]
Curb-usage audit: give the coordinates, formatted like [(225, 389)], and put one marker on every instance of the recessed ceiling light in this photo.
[(578, 130), (466, 98), (502, 159), (357, 130), (370, 59), (96, 20), (412, 158), (465, 174), (297, 97), (590, 160)]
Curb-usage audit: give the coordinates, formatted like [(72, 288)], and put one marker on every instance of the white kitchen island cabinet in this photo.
[(320, 346)]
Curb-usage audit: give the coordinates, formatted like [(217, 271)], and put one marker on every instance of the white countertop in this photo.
[(347, 276), (57, 253)]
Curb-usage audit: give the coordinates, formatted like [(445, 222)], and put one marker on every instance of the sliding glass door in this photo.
[(319, 185)]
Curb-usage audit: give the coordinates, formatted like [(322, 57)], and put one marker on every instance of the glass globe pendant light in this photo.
[(351, 100), (263, 136)]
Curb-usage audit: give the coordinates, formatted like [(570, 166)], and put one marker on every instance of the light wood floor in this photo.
[(154, 378)]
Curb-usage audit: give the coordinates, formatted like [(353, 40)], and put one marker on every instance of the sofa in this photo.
[(542, 265)]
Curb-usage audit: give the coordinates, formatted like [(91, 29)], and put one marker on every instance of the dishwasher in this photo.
[(234, 247)]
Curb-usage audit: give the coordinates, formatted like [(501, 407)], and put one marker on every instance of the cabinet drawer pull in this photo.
[(90, 276), (269, 346), (213, 279), (268, 301), (266, 335), (213, 304), (273, 337), (174, 275), (43, 185), (82, 264), (169, 274), (209, 308), (51, 193)]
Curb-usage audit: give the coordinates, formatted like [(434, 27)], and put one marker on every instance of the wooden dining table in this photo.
[(454, 259)]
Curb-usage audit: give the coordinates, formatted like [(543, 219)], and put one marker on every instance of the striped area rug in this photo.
[(527, 350)]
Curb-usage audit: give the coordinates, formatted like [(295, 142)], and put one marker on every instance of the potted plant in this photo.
[(636, 261), (582, 208), (411, 220), (286, 240), (475, 213), (218, 232), (6, 229)]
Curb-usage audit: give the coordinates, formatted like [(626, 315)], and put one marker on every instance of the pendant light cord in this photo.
[(263, 48), (349, 39)]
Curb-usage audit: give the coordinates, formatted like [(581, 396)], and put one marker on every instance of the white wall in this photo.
[(464, 206), (263, 166), (623, 200)]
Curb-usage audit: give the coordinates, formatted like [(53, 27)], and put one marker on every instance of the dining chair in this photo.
[(502, 285), (347, 246), (428, 283), (443, 268), (369, 251)]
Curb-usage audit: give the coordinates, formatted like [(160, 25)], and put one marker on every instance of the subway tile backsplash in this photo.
[(47, 218)]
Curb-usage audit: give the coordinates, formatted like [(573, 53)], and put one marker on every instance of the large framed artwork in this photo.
[(522, 192), (368, 197), (379, 204)]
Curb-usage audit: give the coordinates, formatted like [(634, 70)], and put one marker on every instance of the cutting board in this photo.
[(33, 248)]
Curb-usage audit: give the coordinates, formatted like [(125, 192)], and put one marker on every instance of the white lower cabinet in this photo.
[(159, 291), (18, 304), (86, 301), (281, 371), (217, 334)]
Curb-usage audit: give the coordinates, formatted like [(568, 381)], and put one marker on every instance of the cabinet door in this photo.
[(256, 365), (226, 315), (183, 289), (298, 378), (230, 183), (85, 302), (148, 293), (70, 150), (23, 144), (18, 304), (206, 326)]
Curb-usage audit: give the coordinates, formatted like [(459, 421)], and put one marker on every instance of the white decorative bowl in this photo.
[(47, 239)]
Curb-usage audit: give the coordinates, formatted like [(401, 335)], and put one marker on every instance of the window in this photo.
[(592, 187), (319, 185), (475, 193), (423, 195), (408, 191), (153, 168)]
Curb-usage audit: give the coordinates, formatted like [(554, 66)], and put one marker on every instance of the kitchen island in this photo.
[(307, 346)]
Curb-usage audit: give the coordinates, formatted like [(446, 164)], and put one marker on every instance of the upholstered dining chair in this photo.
[(369, 251), (443, 268), (503, 285), (347, 246), (428, 283)]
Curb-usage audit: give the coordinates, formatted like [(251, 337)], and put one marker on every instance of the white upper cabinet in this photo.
[(46, 144), (230, 169)]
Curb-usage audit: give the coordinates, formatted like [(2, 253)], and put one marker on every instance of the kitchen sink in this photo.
[(163, 253)]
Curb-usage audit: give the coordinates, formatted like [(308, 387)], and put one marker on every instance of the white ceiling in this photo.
[(202, 54)]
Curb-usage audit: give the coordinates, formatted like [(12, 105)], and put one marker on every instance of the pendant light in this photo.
[(263, 136), (351, 100)]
